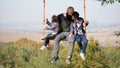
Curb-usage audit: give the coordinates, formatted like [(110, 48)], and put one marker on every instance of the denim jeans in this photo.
[(82, 38)]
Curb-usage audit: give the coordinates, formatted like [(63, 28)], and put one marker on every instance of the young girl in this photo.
[(77, 28), (50, 26)]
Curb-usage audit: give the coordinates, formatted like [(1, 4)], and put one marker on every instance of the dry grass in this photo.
[(25, 53)]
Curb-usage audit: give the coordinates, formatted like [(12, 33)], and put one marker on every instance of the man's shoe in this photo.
[(54, 59), (82, 56), (68, 60)]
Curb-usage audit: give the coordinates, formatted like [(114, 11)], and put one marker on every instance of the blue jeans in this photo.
[(82, 38)]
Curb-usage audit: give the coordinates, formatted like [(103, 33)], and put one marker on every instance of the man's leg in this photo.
[(58, 38), (71, 41)]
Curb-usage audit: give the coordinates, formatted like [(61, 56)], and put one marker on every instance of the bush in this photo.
[(25, 53)]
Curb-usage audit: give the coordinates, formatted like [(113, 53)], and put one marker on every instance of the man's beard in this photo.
[(69, 17)]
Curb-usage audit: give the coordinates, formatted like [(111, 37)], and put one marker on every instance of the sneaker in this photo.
[(82, 56), (43, 48), (47, 45), (68, 60), (54, 59)]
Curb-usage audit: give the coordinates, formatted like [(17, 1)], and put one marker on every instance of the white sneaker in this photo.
[(82, 56), (43, 48), (47, 46)]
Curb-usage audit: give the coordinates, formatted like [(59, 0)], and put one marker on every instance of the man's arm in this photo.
[(59, 18), (71, 28)]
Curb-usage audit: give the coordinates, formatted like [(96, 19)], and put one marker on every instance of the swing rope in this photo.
[(44, 14), (85, 17)]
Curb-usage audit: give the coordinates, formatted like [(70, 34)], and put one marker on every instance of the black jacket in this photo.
[(64, 23)]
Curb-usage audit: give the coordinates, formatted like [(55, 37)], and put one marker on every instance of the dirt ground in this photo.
[(104, 38)]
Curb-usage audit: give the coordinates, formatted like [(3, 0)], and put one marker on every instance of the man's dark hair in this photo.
[(70, 8), (75, 14)]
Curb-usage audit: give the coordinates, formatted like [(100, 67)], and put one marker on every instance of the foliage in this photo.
[(108, 1), (117, 33), (25, 53)]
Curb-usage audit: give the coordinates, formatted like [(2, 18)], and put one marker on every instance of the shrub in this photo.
[(25, 53)]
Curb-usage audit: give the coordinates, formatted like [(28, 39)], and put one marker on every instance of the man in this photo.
[(64, 23)]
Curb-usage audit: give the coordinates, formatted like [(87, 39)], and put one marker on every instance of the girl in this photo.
[(50, 26), (77, 28)]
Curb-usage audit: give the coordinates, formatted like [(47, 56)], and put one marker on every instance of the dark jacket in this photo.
[(64, 23)]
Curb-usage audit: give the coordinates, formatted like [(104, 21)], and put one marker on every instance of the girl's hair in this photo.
[(54, 19), (75, 14)]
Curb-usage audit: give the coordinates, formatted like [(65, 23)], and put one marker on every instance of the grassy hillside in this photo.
[(25, 53)]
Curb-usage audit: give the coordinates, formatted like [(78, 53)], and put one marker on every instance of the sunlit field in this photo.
[(26, 53)]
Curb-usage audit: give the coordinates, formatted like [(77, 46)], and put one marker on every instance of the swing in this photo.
[(44, 14)]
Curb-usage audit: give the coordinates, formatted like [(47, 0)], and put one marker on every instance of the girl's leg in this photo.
[(80, 45), (85, 41), (83, 50), (48, 38), (78, 39), (46, 42)]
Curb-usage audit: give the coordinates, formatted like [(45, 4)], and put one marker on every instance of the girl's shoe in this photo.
[(82, 56), (43, 48)]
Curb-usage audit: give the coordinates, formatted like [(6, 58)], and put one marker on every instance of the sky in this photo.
[(26, 11)]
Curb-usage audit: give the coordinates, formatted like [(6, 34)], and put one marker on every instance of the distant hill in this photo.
[(37, 26)]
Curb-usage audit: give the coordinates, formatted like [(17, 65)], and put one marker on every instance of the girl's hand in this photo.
[(84, 24), (46, 19), (70, 35), (44, 27)]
